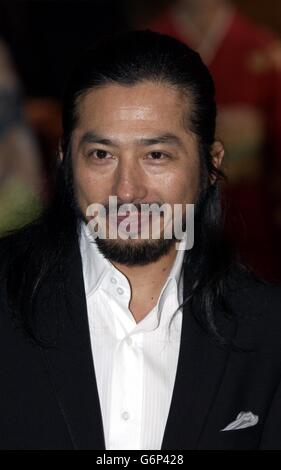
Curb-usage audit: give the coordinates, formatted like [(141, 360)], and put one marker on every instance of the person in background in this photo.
[(21, 190), (245, 62)]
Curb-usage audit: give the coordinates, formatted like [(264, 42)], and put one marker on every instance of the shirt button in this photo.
[(120, 290), (125, 415), (129, 341), (113, 280)]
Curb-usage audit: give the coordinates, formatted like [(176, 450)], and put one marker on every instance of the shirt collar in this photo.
[(95, 265)]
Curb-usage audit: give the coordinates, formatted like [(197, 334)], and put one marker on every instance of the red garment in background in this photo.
[(247, 72)]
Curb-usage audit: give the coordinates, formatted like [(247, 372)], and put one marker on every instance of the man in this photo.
[(131, 343), (244, 59)]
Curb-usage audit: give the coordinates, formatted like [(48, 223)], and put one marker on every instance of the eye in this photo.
[(158, 155), (99, 154)]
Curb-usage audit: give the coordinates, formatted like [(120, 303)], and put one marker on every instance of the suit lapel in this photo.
[(70, 364), (200, 371)]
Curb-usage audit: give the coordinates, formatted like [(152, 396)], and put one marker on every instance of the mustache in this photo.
[(133, 207)]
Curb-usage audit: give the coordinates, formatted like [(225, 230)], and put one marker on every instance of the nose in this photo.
[(129, 185)]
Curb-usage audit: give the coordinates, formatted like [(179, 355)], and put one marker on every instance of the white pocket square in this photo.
[(245, 419)]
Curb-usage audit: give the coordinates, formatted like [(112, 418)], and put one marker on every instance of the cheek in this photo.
[(180, 186), (88, 186)]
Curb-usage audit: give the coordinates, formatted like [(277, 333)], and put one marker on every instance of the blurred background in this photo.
[(238, 41)]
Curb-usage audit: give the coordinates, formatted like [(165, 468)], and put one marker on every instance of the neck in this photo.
[(146, 282)]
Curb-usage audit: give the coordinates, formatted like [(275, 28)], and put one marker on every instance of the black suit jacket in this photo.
[(49, 397)]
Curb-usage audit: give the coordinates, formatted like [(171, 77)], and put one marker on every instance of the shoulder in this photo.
[(256, 306), (245, 289)]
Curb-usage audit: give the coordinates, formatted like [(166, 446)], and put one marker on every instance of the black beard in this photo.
[(130, 253)]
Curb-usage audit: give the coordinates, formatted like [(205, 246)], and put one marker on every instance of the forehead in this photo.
[(146, 103)]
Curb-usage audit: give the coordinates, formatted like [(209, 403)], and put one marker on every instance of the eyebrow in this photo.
[(167, 138)]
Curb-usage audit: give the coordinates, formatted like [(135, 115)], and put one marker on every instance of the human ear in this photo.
[(217, 153)]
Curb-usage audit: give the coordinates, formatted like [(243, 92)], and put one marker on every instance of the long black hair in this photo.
[(41, 247)]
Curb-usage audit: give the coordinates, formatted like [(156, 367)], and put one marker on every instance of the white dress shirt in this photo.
[(135, 363)]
